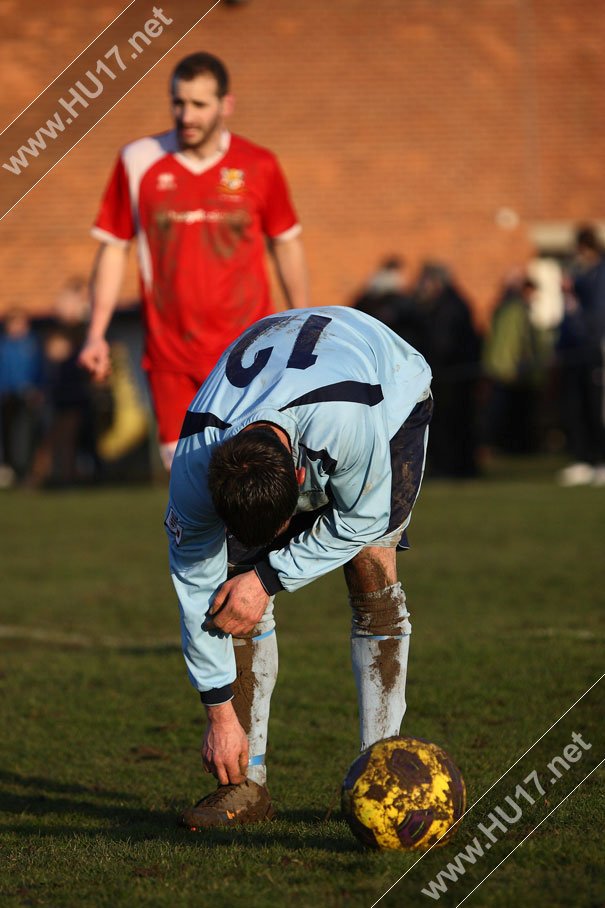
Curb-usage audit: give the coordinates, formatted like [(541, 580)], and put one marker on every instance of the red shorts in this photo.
[(171, 393)]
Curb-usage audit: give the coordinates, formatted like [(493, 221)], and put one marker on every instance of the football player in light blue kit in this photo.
[(302, 452)]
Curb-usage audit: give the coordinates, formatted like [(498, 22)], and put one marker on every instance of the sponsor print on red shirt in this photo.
[(201, 231)]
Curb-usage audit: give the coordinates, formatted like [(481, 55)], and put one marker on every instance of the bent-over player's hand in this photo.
[(239, 605), (225, 745), (95, 357)]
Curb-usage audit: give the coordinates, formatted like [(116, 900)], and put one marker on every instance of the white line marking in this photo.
[(82, 641)]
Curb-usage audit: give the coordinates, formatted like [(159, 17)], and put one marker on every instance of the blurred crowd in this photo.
[(518, 387), (57, 429)]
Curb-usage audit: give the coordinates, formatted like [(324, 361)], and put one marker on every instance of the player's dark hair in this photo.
[(253, 485), (201, 64)]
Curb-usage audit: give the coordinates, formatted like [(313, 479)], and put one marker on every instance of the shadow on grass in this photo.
[(293, 829), (45, 785), (87, 806)]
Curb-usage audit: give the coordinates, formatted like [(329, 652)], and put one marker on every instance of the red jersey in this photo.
[(201, 229)]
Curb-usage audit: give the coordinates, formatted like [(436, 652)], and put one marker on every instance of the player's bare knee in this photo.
[(380, 613), (373, 568)]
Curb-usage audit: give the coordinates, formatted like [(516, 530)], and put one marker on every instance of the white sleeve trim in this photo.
[(103, 236), (289, 234)]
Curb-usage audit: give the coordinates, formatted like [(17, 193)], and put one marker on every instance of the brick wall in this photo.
[(408, 126)]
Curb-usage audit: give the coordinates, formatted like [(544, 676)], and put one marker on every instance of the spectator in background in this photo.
[(451, 345), (511, 364), (581, 357), (67, 452), (387, 297), (21, 396)]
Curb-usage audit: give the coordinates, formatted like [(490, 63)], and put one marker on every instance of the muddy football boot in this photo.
[(230, 805)]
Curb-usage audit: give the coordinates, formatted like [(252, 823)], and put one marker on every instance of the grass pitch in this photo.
[(100, 729)]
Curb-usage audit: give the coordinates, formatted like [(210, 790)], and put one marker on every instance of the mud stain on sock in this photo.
[(245, 682), (379, 613), (387, 664)]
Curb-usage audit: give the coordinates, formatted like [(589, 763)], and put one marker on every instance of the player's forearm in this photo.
[(222, 714), (334, 539), (197, 572), (304, 560), (107, 279), (225, 746), (291, 266)]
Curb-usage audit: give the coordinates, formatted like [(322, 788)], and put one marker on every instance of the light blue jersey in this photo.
[(340, 384)]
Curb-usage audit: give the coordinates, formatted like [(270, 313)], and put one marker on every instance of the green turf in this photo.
[(100, 729)]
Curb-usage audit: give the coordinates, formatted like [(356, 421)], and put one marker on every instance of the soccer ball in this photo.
[(403, 794)]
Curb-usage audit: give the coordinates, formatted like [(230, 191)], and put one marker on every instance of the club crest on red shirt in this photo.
[(232, 179)]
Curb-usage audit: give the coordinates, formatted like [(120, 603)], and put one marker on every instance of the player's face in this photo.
[(198, 112)]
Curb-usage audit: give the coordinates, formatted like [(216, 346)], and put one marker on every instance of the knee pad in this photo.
[(382, 613)]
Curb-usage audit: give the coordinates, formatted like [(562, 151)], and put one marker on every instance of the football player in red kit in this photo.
[(201, 203)]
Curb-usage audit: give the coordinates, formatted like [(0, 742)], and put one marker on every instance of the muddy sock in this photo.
[(380, 636), (256, 661)]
